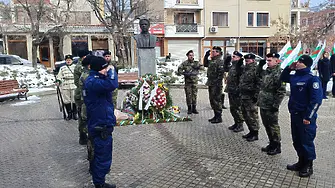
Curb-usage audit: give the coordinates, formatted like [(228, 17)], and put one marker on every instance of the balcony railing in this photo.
[(187, 2), (187, 28)]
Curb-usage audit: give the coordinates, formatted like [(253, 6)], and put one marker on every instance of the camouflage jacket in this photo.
[(233, 79), (190, 70), (272, 90), (215, 71), (249, 82), (77, 73), (84, 75)]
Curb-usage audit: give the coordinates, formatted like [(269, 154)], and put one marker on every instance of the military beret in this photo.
[(217, 48), (191, 51), (275, 55), (68, 57), (306, 59), (237, 53), (249, 56), (107, 53)]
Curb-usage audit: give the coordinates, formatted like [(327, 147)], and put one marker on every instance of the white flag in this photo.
[(316, 60), (284, 49), (292, 56)]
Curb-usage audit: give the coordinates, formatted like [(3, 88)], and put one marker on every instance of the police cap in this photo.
[(98, 63), (249, 56), (306, 59), (237, 53)]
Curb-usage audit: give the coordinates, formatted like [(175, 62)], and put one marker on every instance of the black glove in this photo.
[(240, 62), (262, 62), (208, 53)]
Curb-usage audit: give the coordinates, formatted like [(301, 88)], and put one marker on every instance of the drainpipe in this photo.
[(237, 45)]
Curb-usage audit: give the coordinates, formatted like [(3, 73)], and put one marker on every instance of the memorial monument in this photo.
[(146, 54)]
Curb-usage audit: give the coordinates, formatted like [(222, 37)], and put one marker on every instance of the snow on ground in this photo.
[(31, 100), (26, 74)]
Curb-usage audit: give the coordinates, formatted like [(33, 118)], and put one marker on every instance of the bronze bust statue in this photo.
[(145, 39)]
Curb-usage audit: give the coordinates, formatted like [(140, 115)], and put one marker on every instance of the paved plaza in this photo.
[(39, 149)]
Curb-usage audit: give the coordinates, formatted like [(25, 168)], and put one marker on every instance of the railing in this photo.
[(186, 28)]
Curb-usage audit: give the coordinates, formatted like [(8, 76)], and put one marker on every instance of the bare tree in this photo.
[(118, 17), (43, 14)]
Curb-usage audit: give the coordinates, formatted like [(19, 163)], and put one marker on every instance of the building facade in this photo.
[(82, 31)]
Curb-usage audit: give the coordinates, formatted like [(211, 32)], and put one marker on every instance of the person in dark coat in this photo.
[(98, 88), (324, 69), (305, 100), (332, 62)]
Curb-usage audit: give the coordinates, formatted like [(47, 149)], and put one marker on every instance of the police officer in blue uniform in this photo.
[(305, 100), (98, 88)]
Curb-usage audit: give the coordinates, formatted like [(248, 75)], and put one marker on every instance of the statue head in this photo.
[(144, 25)]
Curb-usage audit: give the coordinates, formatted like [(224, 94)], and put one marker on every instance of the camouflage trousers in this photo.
[(270, 122), (215, 98), (235, 107), (82, 124), (250, 114), (191, 92), (114, 98)]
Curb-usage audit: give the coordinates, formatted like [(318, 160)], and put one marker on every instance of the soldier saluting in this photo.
[(271, 95), (190, 70), (215, 73)]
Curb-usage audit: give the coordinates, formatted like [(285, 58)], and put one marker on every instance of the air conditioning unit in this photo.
[(213, 29)]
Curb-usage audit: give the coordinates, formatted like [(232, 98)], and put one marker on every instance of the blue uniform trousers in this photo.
[(303, 136), (101, 163)]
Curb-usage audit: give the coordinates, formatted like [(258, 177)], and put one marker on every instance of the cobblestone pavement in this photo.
[(39, 149)]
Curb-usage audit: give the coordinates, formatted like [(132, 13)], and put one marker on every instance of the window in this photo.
[(184, 18), (250, 19), (220, 19), (262, 19)]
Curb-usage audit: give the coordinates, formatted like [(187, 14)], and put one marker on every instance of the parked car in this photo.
[(9, 60)]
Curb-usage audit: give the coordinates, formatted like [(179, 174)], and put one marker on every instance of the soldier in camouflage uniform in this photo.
[(78, 95), (249, 90), (271, 94), (234, 97), (85, 73), (190, 70), (65, 80), (215, 72), (108, 57)]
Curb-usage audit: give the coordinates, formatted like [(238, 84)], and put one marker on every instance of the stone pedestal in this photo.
[(146, 61)]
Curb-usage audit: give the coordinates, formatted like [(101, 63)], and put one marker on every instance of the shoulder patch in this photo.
[(316, 85)]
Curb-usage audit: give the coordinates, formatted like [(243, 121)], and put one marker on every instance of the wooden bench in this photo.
[(128, 78), (8, 87)]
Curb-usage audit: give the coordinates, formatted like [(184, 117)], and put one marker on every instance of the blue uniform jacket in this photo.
[(98, 90), (306, 92)]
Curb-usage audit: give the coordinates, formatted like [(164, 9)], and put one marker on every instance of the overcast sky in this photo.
[(313, 2)]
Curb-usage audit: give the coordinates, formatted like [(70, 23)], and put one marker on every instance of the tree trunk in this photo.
[(34, 54), (120, 49), (60, 46)]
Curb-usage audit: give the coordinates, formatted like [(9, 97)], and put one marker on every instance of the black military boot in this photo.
[(275, 149), (106, 185), (189, 109), (247, 135), (210, 120), (82, 139), (194, 109), (222, 99), (253, 137), (238, 128), (218, 118), (296, 166), (232, 127), (74, 112), (307, 169), (267, 148), (69, 112)]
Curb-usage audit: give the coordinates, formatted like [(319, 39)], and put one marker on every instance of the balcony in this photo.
[(184, 4), (184, 30)]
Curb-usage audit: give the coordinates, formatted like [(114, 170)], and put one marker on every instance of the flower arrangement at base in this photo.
[(149, 102)]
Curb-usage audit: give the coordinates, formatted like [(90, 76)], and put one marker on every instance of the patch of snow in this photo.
[(31, 100)]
